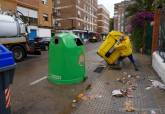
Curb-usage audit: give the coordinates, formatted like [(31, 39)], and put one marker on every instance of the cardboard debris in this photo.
[(83, 97), (80, 96), (128, 106)]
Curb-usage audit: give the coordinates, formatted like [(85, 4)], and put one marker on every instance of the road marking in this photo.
[(39, 80)]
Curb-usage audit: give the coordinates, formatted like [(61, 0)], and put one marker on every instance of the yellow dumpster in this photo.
[(116, 45)]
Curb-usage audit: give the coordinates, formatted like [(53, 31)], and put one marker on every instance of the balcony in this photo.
[(34, 4)]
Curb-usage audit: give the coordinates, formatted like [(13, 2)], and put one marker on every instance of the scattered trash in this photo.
[(148, 88), (137, 77), (74, 101), (74, 105), (158, 84), (129, 106), (117, 93), (125, 73), (80, 96), (153, 112), (129, 93), (123, 80), (83, 97), (129, 76), (88, 87), (95, 96)]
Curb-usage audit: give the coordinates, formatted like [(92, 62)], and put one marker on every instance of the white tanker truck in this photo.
[(13, 36)]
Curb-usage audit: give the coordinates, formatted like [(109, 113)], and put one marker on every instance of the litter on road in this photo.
[(156, 84), (88, 87), (117, 93), (128, 106)]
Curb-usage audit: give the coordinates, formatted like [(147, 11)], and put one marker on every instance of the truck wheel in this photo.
[(18, 52)]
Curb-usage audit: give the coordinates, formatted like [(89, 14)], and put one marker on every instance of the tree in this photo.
[(139, 7), (159, 4), (111, 24)]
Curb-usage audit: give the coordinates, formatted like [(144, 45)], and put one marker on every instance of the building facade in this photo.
[(45, 13), (8, 5), (79, 16), (45, 18), (120, 20), (36, 13), (103, 19)]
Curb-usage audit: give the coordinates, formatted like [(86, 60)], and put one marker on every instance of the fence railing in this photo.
[(161, 42)]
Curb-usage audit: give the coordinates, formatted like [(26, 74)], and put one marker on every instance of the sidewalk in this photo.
[(143, 101)]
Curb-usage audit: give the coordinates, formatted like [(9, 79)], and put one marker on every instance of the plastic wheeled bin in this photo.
[(7, 66), (66, 61), (116, 45)]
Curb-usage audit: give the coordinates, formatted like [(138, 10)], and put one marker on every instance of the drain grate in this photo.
[(99, 69)]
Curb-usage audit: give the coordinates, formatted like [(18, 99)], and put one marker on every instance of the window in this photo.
[(79, 14), (45, 17), (45, 1), (58, 12), (78, 1), (57, 24), (79, 24), (58, 1)]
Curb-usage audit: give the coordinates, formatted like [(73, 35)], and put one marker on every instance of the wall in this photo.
[(156, 30), (45, 9), (158, 65), (8, 5), (33, 4)]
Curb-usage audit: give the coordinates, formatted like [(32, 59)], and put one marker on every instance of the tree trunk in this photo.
[(144, 38)]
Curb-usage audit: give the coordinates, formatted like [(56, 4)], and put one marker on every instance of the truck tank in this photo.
[(11, 26)]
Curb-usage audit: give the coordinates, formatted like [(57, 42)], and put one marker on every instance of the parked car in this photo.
[(43, 42), (94, 39)]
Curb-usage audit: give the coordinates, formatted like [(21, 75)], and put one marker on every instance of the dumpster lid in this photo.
[(6, 58)]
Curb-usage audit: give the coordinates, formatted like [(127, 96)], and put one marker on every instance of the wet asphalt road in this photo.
[(31, 97)]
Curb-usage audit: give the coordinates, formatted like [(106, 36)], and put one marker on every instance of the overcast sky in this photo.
[(109, 4)]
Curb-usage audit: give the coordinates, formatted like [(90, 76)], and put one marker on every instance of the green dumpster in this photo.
[(66, 62)]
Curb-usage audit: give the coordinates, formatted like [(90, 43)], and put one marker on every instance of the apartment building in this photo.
[(36, 13), (120, 20), (45, 18), (8, 5), (103, 18), (78, 16)]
